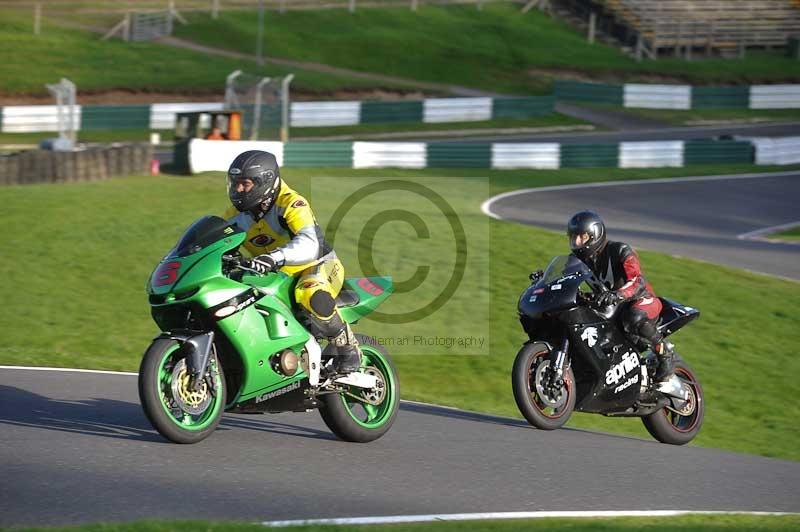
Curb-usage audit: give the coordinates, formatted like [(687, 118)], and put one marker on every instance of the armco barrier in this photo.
[(389, 154), (40, 166), (657, 96), (208, 155), (651, 154), (115, 117), (775, 97), (436, 110)]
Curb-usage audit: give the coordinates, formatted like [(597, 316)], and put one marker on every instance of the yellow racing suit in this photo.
[(290, 231)]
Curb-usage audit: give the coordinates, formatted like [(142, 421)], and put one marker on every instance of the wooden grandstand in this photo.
[(686, 27)]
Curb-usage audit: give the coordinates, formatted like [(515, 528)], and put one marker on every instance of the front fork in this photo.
[(559, 363)]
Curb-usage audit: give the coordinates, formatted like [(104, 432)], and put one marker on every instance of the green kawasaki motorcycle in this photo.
[(231, 342)]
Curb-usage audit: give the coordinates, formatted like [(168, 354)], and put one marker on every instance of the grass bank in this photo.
[(77, 275), (496, 48)]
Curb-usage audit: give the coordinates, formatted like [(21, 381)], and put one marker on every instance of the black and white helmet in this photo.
[(587, 234), (261, 168)]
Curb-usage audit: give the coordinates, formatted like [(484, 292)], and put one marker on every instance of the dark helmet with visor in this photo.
[(261, 168), (587, 234)]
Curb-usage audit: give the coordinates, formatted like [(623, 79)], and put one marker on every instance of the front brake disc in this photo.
[(551, 398)]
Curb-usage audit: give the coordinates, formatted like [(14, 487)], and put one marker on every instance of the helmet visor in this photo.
[(579, 240)]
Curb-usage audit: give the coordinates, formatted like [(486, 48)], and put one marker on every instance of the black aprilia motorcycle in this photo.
[(579, 358)]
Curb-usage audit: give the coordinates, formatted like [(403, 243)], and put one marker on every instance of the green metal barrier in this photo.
[(718, 151), (579, 91), (390, 112), (318, 154), (720, 97), (455, 155), (115, 117), (589, 155), (522, 107)]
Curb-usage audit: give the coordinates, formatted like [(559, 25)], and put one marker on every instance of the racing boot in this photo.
[(666, 361), (348, 354)]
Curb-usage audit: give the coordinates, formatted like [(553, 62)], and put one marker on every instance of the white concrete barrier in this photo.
[(657, 96), (217, 155), (785, 150), (456, 110), (315, 114), (162, 115), (389, 154), (520, 155), (32, 118), (775, 97), (650, 154)]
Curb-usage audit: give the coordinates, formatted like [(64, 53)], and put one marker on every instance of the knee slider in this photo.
[(322, 304)]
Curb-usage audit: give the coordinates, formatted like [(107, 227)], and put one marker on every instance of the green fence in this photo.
[(115, 117), (318, 154), (578, 91), (589, 155), (390, 112), (520, 108), (720, 97), (445, 154), (718, 151)]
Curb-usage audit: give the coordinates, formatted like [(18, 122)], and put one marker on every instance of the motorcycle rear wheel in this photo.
[(543, 412), (177, 411), (668, 426), (365, 415)]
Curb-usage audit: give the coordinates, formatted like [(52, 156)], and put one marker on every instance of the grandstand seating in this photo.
[(714, 26)]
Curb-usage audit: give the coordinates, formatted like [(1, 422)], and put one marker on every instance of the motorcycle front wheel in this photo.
[(679, 427), (180, 412), (359, 415), (543, 406)]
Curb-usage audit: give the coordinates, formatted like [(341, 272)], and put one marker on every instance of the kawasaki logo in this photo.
[(271, 395), (630, 361)]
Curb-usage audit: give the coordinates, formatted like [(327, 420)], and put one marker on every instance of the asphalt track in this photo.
[(700, 218), (76, 448)]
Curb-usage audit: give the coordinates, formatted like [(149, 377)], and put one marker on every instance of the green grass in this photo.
[(684, 523), (496, 48), (76, 279), (95, 65), (97, 135), (695, 115), (792, 234)]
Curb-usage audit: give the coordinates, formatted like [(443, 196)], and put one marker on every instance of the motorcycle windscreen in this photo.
[(558, 288)]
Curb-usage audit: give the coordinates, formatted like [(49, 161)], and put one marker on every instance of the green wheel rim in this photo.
[(368, 415), (183, 419)]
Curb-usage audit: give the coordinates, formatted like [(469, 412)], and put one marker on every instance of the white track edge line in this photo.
[(758, 232), (486, 205), (75, 370), (395, 519)]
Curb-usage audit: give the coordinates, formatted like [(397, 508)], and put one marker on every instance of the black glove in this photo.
[(535, 276), (262, 264), (608, 298)]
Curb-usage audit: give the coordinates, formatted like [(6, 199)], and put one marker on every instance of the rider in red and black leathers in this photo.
[(616, 264)]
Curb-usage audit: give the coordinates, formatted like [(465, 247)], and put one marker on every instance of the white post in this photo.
[(592, 24), (283, 6), (126, 27), (352, 6), (257, 110), (214, 9), (37, 19), (231, 101), (414, 5), (285, 107)]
